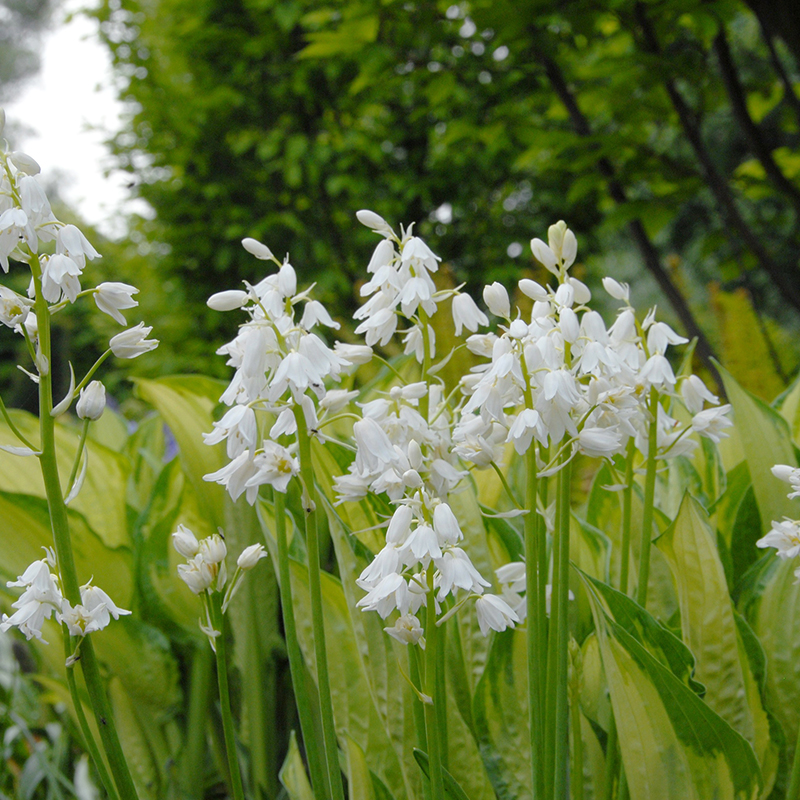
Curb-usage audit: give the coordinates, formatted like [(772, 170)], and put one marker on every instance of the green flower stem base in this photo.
[(63, 547), (296, 665), (317, 620), (228, 729)]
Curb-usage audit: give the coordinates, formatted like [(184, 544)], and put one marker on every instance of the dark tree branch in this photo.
[(637, 230), (785, 279), (751, 131)]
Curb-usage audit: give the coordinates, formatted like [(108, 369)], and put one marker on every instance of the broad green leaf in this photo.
[(293, 773), (710, 629), (25, 530), (775, 617), (788, 405), (138, 753), (186, 403), (673, 745), (452, 791), (500, 711), (102, 498), (765, 440), (658, 640), (359, 781), (591, 551)]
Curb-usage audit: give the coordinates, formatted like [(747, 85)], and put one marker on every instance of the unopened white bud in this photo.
[(372, 220), (185, 542), (213, 549), (92, 401), (256, 248), (227, 301), (414, 454), (619, 291), (496, 299), (24, 163), (533, 290), (251, 556)]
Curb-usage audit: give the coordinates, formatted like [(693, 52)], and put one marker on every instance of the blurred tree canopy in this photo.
[(21, 23), (664, 132)]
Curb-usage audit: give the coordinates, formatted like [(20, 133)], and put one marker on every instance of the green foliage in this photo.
[(481, 121)]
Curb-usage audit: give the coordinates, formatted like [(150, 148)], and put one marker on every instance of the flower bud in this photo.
[(544, 255), (197, 574), (213, 549), (251, 556), (227, 301), (254, 247), (92, 401), (496, 299), (533, 290), (619, 291), (24, 163), (372, 220), (185, 542)]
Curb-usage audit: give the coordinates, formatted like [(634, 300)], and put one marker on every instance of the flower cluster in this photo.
[(404, 448), (784, 535), (281, 368), (563, 379), (205, 571), (42, 599), (57, 254)]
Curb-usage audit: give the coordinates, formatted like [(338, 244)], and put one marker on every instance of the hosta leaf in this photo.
[(500, 711), (25, 530), (673, 745), (293, 774), (660, 642), (775, 617), (710, 629), (359, 781), (102, 497), (765, 440), (186, 403)]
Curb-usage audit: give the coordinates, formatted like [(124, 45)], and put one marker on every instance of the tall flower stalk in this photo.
[(56, 255)]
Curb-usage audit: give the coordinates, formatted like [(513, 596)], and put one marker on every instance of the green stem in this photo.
[(193, 756), (627, 498), (536, 614), (88, 376), (793, 792), (331, 747), (63, 546), (419, 711), (296, 664), (440, 689), (577, 748), (432, 717), (86, 731), (228, 729), (561, 624), (612, 761), (78, 454), (649, 496)]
